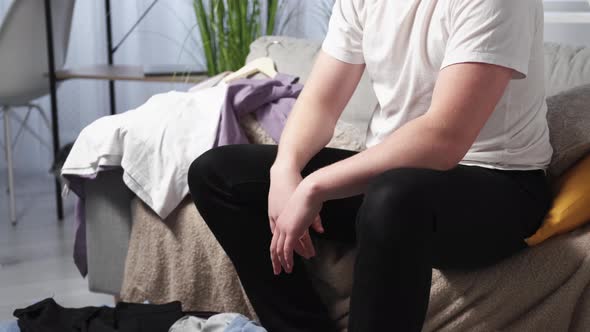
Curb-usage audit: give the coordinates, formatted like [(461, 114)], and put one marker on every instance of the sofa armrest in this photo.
[(108, 228)]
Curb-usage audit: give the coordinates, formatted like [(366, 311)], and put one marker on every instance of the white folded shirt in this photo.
[(154, 144)]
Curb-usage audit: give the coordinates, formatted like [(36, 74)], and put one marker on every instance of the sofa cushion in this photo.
[(346, 136), (296, 57), (571, 207), (569, 127), (565, 67)]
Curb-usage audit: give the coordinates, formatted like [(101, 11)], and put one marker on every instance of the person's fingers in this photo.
[(301, 250), (288, 251), (300, 244), (271, 223), (273, 255), (279, 250), (306, 239), (317, 225)]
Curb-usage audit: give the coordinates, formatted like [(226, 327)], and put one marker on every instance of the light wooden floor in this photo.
[(36, 255)]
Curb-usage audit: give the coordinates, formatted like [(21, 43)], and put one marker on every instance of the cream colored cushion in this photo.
[(569, 127), (296, 57)]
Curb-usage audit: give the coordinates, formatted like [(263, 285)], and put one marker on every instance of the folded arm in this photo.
[(464, 97)]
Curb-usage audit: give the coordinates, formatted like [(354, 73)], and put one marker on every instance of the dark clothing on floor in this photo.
[(48, 316), (407, 222)]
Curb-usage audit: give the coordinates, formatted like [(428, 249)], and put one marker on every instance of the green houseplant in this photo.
[(227, 28)]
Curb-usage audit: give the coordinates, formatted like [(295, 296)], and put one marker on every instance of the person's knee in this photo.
[(397, 206), (203, 170)]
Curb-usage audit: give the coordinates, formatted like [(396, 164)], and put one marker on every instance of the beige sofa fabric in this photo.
[(541, 289), (545, 288), (178, 259)]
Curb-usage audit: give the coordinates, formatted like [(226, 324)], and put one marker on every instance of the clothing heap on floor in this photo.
[(48, 316)]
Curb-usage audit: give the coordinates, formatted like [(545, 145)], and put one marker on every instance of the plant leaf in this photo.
[(204, 28)]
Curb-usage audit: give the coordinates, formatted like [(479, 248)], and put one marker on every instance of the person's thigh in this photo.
[(244, 172), (242, 163), (229, 186), (339, 215), (483, 216)]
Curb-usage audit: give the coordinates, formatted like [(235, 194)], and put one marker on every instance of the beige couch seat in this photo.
[(545, 288)]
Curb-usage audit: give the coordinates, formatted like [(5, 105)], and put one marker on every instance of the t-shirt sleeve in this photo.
[(498, 32), (345, 34)]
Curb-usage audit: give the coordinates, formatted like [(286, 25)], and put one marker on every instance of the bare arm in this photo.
[(309, 128), (311, 123), (464, 98)]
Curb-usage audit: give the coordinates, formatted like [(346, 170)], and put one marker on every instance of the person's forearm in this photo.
[(311, 123), (307, 131), (418, 144)]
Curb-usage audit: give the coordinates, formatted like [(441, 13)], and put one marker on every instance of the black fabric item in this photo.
[(147, 317), (407, 222), (201, 314), (48, 316)]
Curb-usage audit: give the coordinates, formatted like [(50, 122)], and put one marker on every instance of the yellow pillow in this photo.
[(571, 206)]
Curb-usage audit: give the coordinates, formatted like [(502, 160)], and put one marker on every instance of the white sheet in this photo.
[(154, 144)]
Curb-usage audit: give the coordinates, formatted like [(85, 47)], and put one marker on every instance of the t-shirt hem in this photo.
[(520, 68), (343, 54), (503, 167)]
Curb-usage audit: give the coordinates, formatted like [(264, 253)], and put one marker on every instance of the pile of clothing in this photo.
[(155, 143), (48, 316)]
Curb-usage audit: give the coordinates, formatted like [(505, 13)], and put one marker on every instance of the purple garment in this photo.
[(80, 255), (76, 185), (271, 100)]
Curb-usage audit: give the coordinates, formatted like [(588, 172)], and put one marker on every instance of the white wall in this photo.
[(158, 40), (575, 34)]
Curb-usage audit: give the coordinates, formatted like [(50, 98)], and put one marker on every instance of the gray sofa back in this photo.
[(565, 67)]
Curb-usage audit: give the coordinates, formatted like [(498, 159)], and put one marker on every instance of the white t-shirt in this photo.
[(405, 43)]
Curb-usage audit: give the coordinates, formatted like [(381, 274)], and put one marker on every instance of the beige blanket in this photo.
[(545, 288), (179, 259)]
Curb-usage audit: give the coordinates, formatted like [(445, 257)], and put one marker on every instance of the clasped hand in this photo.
[(292, 211)]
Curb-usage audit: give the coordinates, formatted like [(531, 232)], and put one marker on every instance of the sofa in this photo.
[(135, 255)]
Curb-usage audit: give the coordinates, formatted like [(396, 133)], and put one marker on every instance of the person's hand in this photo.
[(284, 181), (298, 215)]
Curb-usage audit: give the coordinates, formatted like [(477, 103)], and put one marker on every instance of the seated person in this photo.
[(452, 177)]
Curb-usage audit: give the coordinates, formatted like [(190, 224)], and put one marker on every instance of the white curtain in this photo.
[(158, 40)]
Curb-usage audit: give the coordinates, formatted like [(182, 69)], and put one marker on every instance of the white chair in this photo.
[(24, 67)]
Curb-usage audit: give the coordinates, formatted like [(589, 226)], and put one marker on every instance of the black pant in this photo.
[(407, 222)]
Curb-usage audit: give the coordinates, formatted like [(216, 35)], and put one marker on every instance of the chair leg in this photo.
[(8, 150), (24, 126), (42, 113), (58, 190)]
